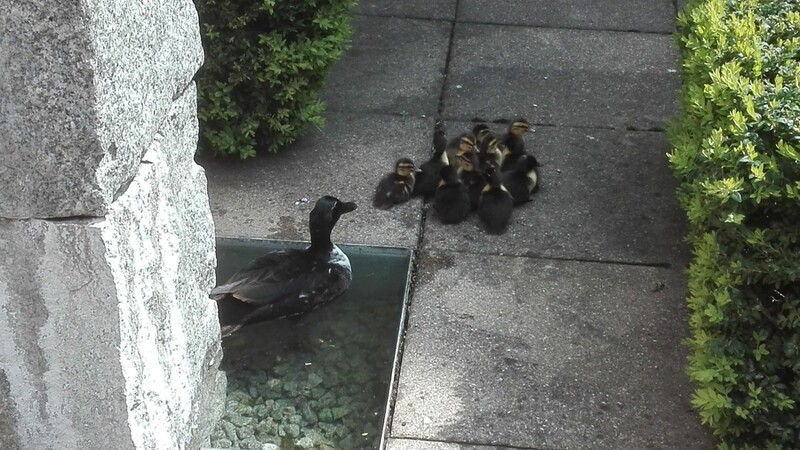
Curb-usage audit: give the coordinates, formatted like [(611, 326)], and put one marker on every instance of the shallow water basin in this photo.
[(323, 380)]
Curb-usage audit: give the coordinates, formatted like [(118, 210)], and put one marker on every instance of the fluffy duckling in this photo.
[(513, 142), (470, 175), (396, 187), (451, 202), (427, 179), (488, 152), (522, 180), (289, 282), (461, 145), (480, 131), (496, 204)]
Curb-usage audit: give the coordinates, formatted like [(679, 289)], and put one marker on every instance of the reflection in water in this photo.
[(320, 381)]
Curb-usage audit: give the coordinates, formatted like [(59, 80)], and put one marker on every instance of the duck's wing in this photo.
[(269, 279)]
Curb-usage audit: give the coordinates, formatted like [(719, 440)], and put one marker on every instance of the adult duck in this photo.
[(289, 282)]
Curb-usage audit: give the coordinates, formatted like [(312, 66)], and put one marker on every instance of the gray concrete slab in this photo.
[(423, 9), (605, 195), (657, 16), (395, 66), (562, 77), (258, 197), (411, 444), (538, 353)]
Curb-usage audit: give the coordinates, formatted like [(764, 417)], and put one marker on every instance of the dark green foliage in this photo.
[(736, 149), (266, 63)]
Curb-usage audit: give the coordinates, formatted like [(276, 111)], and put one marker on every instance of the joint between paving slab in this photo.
[(531, 255), (554, 125), (563, 27), (479, 444)]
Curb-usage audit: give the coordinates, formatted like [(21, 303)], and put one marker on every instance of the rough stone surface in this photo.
[(428, 9), (566, 77), (262, 197), (85, 85), (387, 70), (605, 195), (129, 295), (546, 354), (624, 15)]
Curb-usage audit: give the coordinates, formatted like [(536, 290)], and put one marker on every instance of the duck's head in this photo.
[(326, 213), (404, 167), (519, 127), (488, 144), (469, 161), (528, 163), (480, 131), (466, 143)]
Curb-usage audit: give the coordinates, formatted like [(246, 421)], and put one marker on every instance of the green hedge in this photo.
[(736, 150), (265, 66)]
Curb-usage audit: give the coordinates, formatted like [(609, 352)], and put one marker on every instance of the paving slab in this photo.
[(262, 197), (424, 9), (655, 16), (388, 70), (411, 444), (536, 353), (605, 195), (583, 78)]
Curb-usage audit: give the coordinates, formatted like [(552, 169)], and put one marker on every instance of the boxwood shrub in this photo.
[(266, 62), (736, 150)]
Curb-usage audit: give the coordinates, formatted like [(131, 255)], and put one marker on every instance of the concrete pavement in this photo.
[(565, 332)]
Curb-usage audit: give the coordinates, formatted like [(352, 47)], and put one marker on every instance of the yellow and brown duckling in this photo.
[(396, 187), (469, 173), (513, 142), (496, 204), (523, 179), (451, 201), (427, 178), (460, 146), (488, 152)]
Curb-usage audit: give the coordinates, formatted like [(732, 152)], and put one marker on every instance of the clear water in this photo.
[(321, 381)]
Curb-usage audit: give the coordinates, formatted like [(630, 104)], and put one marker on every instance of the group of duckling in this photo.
[(476, 171)]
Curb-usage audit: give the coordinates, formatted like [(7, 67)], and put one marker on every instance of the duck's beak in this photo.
[(346, 207)]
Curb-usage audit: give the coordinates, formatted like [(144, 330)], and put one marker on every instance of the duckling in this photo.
[(496, 204), (470, 175), (451, 202), (513, 143), (489, 154), (396, 187), (427, 179), (523, 179), (292, 282), (459, 146), (480, 131)]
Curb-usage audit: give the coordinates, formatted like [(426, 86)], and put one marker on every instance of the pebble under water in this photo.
[(320, 381)]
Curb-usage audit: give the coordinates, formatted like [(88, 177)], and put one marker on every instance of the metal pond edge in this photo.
[(401, 326)]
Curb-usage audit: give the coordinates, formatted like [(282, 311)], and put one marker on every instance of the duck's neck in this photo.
[(321, 239)]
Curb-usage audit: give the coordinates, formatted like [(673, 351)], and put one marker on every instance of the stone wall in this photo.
[(107, 336)]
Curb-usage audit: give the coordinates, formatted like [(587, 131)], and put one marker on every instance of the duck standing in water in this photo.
[(289, 282)]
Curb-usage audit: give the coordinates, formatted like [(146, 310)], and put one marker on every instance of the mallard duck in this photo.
[(427, 179), (292, 282), (469, 174), (496, 204), (396, 187), (488, 153), (522, 180), (451, 201), (513, 143)]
